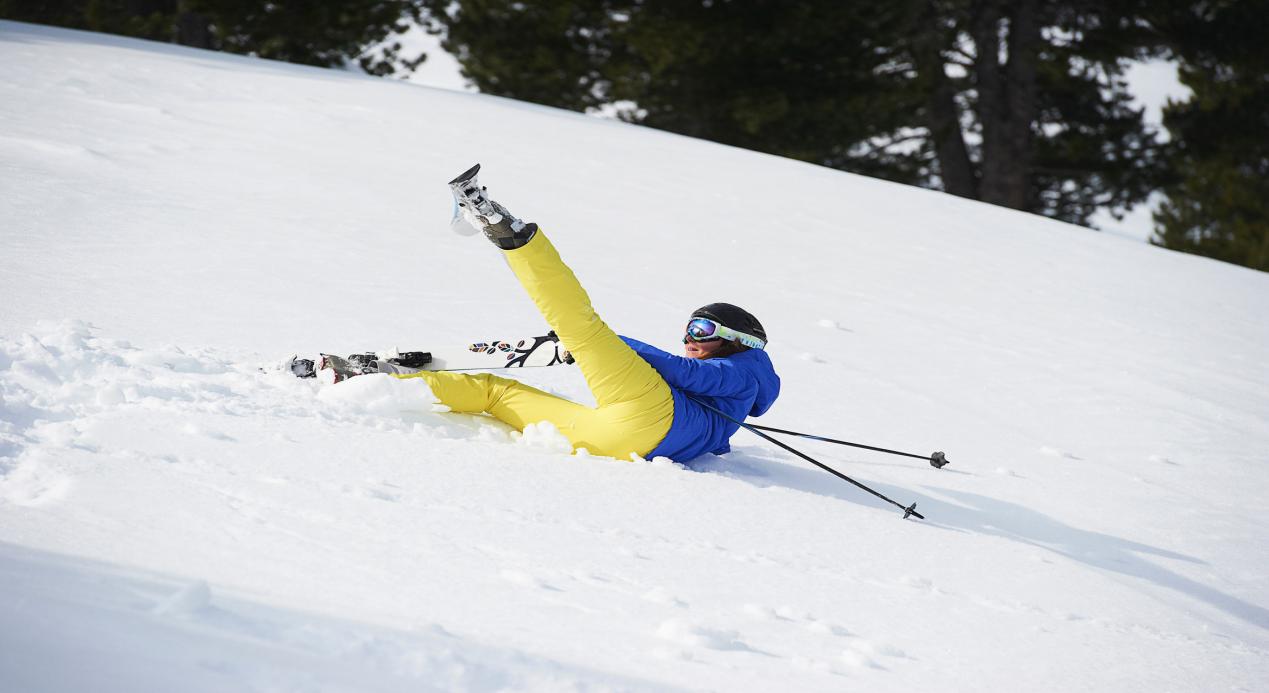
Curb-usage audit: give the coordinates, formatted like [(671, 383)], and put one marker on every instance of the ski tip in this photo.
[(466, 175)]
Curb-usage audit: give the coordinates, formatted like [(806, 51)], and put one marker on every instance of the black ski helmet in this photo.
[(735, 317)]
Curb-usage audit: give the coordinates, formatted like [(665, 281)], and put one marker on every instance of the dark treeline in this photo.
[(314, 32), (1218, 186), (1015, 103), (1020, 103)]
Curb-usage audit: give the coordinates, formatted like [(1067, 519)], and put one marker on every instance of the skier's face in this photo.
[(701, 350)]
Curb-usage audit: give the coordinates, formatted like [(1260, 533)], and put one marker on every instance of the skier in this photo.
[(648, 400)]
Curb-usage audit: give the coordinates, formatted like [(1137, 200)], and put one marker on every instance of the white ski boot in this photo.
[(473, 206)]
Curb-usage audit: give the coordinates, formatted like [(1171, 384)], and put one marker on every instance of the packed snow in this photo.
[(173, 518)]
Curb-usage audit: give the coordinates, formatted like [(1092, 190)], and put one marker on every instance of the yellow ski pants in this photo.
[(634, 405)]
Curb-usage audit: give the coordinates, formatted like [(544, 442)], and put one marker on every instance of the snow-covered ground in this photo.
[(173, 519)]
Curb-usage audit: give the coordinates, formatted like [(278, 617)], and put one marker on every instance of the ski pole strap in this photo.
[(937, 460), (907, 511)]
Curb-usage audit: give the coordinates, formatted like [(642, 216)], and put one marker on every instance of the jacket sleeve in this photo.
[(714, 377)]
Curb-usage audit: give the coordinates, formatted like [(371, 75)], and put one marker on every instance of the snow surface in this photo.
[(173, 519)]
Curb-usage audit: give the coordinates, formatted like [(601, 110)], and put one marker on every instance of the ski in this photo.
[(529, 352)]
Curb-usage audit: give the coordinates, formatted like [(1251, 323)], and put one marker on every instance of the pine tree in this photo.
[(1218, 205), (1026, 105)]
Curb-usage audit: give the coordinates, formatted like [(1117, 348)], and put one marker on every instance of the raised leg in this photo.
[(613, 371)]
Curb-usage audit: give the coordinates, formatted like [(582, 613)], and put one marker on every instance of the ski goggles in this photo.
[(706, 330)]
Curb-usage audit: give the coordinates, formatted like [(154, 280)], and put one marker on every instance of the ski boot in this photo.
[(501, 227), (293, 364), (333, 369)]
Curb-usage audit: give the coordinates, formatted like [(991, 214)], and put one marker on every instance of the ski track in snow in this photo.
[(171, 518)]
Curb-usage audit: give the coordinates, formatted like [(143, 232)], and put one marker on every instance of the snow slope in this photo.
[(172, 519)]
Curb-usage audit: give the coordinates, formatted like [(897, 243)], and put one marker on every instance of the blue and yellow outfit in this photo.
[(641, 393)]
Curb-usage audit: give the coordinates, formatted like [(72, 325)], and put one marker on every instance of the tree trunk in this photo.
[(1024, 46), (942, 116), (1006, 97), (993, 115), (192, 28), (955, 167)]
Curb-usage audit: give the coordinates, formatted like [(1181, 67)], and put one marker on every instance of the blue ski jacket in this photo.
[(741, 385)]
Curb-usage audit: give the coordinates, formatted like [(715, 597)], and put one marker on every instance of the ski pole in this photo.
[(908, 511), (937, 460)]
